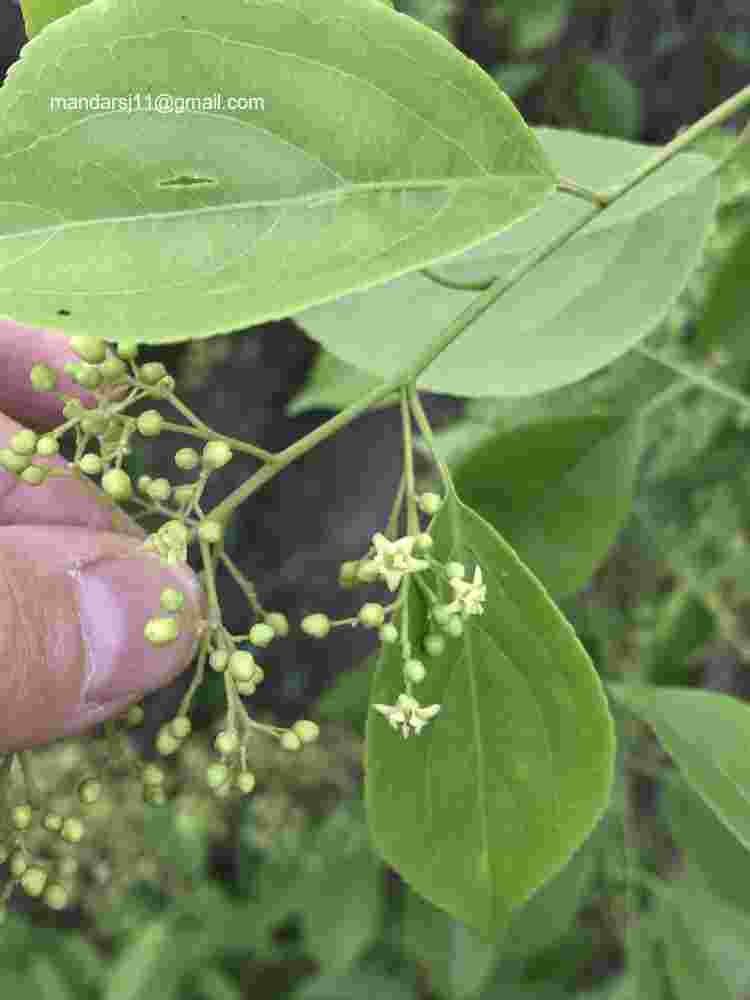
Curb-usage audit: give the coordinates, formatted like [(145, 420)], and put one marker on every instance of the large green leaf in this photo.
[(580, 309), (332, 384), (37, 14), (610, 103), (558, 491), (492, 799), (378, 148), (726, 316), (708, 735)]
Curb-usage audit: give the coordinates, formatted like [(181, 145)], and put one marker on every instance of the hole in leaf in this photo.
[(187, 180), (63, 312)]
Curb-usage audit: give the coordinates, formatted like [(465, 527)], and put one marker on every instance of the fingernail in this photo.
[(117, 597)]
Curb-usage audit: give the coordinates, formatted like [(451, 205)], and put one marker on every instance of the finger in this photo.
[(73, 605), (22, 347), (57, 500)]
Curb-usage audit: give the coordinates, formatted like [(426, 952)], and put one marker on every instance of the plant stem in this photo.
[(697, 377), (565, 186), (208, 434), (424, 425), (412, 517)]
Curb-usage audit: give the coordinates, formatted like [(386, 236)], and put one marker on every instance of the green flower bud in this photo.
[(53, 822), (34, 880), (153, 796), (18, 863), (258, 675), (246, 688), (150, 423), (219, 660), (152, 372), (94, 423), (166, 743), (290, 740), (159, 490), (56, 896), (318, 626), (261, 634), (171, 599), (211, 531), (307, 730), (429, 503), (90, 463), (89, 378), (348, 574), (35, 475), (12, 462), (278, 622), (242, 665), (434, 644), (143, 483), (159, 631), (186, 458), (180, 727), (216, 775), (72, 830), (455, 627), (73, 409), (128, 350), (245, 782), (414, 671), (441, 614), (112, 370), (367, 572), (453, 569), (226, 742), (372, 615), (47, 445), (423, 542), (182, 494), (43, 378), (134, 716), (89, 791), (91, 349), (216, 454), (116, 484), (152, 774), (24, 442), (388, 633), (22, 816), (67, 867)]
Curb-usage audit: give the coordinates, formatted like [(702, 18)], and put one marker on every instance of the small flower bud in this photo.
[(89, 791), (43, 378), (72, 830), (34, 880), (180, 727), (143, 484), (414, 671), (159, 490), (371, 615), (441, 614), (453, 569), (186, 458), (348, 574), (290, 740), (152, 775), (150, 423), (434, 644), (166, 743), (455, 627), (216, 454), (226, 742), (22, 816), (94, 423), (56, 896), (128, 350), (89, 378), (245, 782), (91, 349), (388, 633), (246, 688), (307, 730), (53, 822), (112, 370), (242, 665), (429, 503), (134, 717), (318, 626), (116, 483), (216, 775), (24, 442), (261, 634), (171, 599), (153, 795), (47, 445), (182, 494), (210, 531), (278, 622), (159, 631), (73, 409), (423, 542), (18, 863), (219, 660), (12, 462), (35, 475), (152, 372), (367, 571), (90, 463)]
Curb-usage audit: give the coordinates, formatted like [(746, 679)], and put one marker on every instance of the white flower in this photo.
[(393, 560), (407, 712), (470, 597)]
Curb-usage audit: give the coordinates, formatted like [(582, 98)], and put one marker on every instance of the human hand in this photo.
[(74, 594)]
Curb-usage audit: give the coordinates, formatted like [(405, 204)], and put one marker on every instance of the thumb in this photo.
[(73, 606)]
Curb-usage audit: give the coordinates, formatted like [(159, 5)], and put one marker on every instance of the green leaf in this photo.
[(347, 700), (707, 735), (537, 23), (557, 491), (734, 175), (582, 308), (148, 964), (724, 322), (48, 981), (683, 626), (354, 986), (379, 148), (488, 803), (609, 101), (457, 961), (516, 78), (37, 14), (333, 385), (708, 845), (214, 984)]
